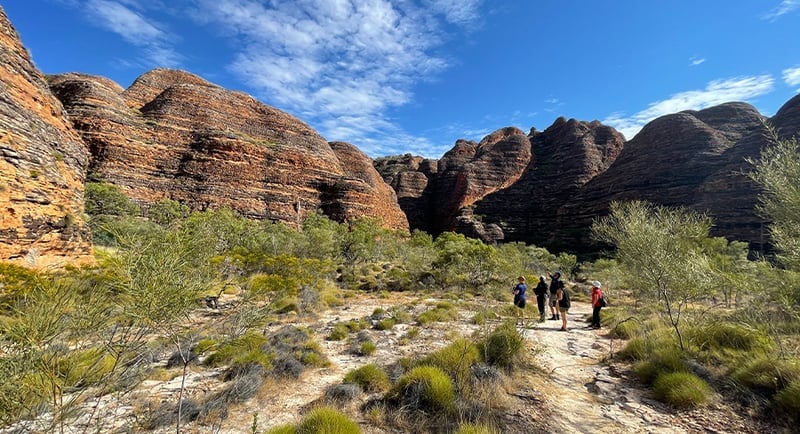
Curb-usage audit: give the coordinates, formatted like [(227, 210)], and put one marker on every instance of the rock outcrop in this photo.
[(574, 170), (42, 166), (173, 135)]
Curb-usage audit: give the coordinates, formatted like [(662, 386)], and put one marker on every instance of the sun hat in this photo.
[(596, 284)]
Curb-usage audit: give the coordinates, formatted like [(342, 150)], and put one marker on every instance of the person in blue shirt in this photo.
[(519, 299)]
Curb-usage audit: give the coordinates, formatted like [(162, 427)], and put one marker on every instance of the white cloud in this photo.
[(119, 17), (715, 93), (694, 61), (792, 76), (338, 63), (786, 6)]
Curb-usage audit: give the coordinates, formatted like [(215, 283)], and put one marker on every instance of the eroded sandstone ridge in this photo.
[(173, 135), (42, 166), (546, 188)]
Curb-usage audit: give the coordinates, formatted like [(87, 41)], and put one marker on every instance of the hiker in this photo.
[(597, 304), (541, 296), (562, 296), (555, 284), (519, 299)]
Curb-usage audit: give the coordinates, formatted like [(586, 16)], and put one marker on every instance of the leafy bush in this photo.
[(681, 389), (245, 349), (327, 420), (85, 368), (503, 346), (474, 428), (767, 374), (425, 388), (385, 324), (371, 378), (483, 315), (441, 313), (283, 429), (660, 362), (454, 359), (724, 335), (367, 348), (101, 198), (338, 333), (787, 401)]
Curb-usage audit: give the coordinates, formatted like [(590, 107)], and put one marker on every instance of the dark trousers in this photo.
[(540, 301), (596, 316)]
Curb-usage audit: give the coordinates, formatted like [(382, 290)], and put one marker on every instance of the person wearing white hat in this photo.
[(597, 297)]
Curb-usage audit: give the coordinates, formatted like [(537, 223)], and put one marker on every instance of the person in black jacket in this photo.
[(555, 285), (541, 296)]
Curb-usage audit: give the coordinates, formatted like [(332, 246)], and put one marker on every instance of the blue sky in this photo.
[(413, 76)]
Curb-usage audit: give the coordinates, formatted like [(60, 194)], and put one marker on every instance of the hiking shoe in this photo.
[(553, 317)]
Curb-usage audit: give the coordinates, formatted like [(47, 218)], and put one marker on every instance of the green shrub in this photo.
[(385, 324), (371, 378), (454, 359), (658, 363), (425, 388), (338, 333), (638, 348), (681, 389), (624, 330), (503, 346), (205, 345), (475, 428), (242, 348), (86, 368), (787, 401), (766, 374), (441, 313), (327, 420), (367, 348), (482, 316), (356, 325), (725, 335), (283, 429), (101, 198)]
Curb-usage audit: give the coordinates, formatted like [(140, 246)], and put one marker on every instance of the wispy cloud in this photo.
[(340, 64), (694, 61), (792, 76), (784, 8), (715, 93), (121, 18)]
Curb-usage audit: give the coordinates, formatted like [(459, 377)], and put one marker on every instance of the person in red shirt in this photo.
[(597, 296)]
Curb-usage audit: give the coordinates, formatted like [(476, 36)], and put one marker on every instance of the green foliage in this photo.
[(483, 315), (475, 428), (85, 368), (720, 335), (101, 198), (327, 420), (776, 172), (339, 332), (659, 362), (455, 360), (167, 211), (425, 388), (283, 429), (681, 389), (371, 378), (661, 250), (503, 346), (787, 401), (246, 347), (367, 348), (385, 324), (442, 312), (463, 262), (767, 374)]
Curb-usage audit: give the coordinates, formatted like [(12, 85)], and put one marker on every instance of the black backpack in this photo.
[(565, 303)]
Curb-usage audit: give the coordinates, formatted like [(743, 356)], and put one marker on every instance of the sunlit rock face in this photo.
[(173, 135), (42, 166)]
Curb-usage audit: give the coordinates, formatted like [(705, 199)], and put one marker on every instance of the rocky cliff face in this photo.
[(574, 170), (173, 135), (42, 164)]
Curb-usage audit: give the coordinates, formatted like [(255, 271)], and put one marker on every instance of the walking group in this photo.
[(559, 300)]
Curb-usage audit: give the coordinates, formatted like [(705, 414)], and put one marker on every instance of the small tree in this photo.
[(660, 249), (777, 173)]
